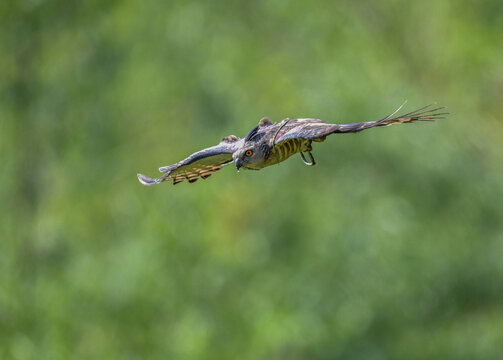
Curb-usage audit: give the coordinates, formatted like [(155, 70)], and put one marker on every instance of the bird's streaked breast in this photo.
[(287, 148)]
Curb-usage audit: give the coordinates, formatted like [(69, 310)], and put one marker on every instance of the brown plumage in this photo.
[(271, 143)]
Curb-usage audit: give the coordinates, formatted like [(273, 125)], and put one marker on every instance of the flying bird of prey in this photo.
[(271, 143)]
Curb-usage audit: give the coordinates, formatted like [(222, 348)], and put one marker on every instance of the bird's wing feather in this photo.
[(314, 129), (200, 164)]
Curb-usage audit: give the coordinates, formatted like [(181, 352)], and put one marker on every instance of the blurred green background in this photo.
[(390, 248)]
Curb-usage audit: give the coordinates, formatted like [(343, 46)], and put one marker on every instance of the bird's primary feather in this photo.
[(198, 165)]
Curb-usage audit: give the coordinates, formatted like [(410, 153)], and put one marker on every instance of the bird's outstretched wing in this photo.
[(200, 164), (315, 129)]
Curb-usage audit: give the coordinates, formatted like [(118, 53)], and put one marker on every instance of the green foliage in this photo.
[(390, 248)]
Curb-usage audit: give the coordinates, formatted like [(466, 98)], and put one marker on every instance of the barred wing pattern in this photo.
[(198, 165), (315, 129)]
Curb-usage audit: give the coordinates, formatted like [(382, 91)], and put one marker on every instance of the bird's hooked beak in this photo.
[(238, 163)]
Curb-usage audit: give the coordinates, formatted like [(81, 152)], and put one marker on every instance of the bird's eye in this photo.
[(249, 153)]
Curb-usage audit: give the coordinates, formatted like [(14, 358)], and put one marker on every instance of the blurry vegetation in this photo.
[(390, 248)]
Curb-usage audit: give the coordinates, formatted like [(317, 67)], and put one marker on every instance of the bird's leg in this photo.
[(313, 162), (308, 148)]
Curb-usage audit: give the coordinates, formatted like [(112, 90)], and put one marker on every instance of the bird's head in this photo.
[(255, 150), (250, 157)]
